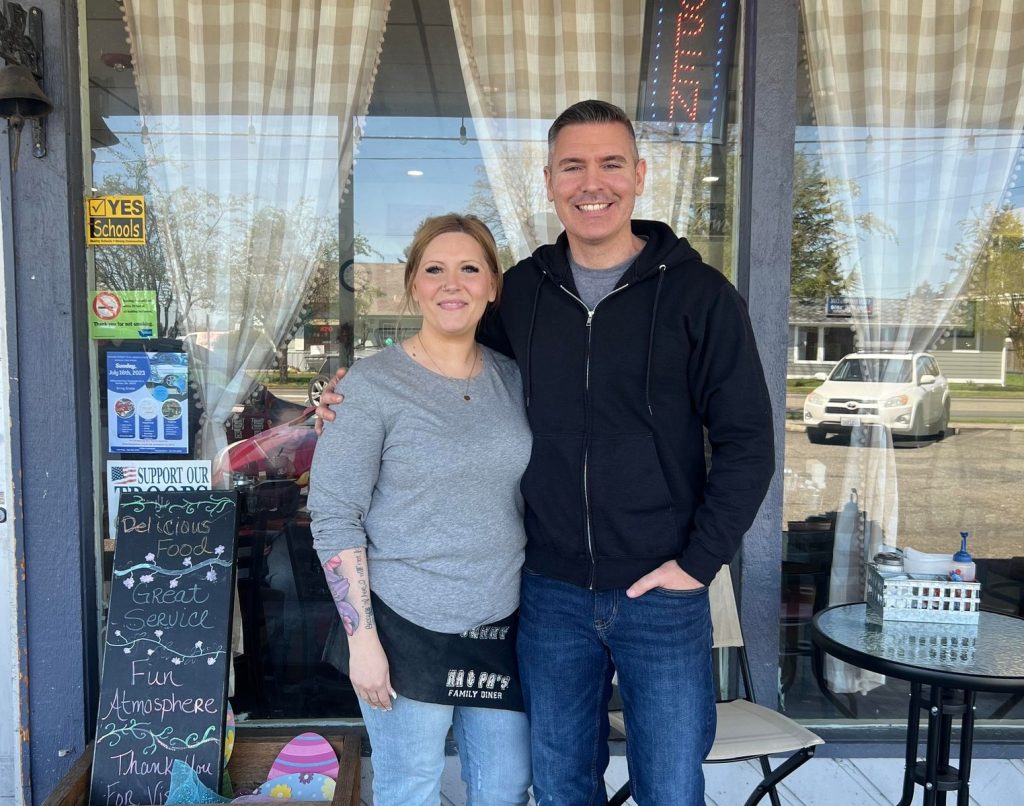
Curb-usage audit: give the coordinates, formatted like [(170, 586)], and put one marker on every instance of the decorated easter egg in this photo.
[(229, 735), (297, 786), (307, 753)]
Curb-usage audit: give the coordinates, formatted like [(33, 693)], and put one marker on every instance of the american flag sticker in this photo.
[(121, 475), (133, 475)]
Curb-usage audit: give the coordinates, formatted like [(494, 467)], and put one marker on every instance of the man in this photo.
[(630, 347)]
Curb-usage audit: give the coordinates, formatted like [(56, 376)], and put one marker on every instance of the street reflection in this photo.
[(844, 499)]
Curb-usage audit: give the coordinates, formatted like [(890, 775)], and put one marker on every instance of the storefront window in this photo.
[(908, 221), (283, 159), (236, 130)]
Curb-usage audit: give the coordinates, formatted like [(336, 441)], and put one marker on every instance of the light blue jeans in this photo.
[(408, 753)]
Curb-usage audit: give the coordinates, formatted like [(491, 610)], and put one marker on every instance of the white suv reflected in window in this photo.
[(906, 392)]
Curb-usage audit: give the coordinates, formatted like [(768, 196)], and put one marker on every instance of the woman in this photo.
[(417, 518)]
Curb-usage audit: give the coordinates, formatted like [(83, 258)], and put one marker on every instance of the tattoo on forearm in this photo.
[(363, 583), (339, 588)]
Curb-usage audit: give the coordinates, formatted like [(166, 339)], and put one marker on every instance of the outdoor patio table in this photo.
[(953, 660)]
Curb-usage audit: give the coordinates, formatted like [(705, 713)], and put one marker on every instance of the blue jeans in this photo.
[(570, 642), (408, 753)]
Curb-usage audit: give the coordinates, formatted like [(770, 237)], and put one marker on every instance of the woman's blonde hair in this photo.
[(452, 222)]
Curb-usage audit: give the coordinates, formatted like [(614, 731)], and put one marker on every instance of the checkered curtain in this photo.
[(250, 111), (920, 111), (523, 62)]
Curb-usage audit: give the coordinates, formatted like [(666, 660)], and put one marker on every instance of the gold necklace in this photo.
[(477, 355)]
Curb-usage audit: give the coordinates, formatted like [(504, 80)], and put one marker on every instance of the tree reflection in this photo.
[(825, 233), (993, 254)]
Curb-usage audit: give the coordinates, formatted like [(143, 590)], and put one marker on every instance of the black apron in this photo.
[(475, 668)]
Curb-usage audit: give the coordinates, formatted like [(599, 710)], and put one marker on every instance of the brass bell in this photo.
[(21, 95), (21, 99)]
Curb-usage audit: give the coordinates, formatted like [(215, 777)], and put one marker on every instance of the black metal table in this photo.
[(954, 661)]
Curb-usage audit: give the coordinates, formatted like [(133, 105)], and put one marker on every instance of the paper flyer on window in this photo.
[(147, 402), (123, 315), (148, 476)]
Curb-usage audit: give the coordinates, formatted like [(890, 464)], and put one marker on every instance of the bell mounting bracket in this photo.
[(21, 42)]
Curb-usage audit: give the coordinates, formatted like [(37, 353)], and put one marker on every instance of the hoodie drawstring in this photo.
[(529, 339), (650, 339)]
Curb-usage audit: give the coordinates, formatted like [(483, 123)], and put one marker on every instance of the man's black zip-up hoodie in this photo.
[(618, 398)]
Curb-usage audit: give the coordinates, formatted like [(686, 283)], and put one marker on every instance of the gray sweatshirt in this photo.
[(429, 483)]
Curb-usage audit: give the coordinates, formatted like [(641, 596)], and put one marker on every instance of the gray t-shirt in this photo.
[(429, 483), (594, 285)]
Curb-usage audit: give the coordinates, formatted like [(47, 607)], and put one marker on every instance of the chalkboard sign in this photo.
[(167, 645)]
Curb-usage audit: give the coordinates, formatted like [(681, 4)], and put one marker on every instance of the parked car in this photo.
[(169, 370), (906, 392), (328, 365)]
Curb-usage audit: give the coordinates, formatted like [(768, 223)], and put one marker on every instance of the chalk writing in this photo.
[(166, 644)]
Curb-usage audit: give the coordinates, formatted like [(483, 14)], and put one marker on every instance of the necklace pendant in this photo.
[(466, 397)]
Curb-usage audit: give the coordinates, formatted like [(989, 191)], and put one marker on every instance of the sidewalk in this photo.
[(832, 781)]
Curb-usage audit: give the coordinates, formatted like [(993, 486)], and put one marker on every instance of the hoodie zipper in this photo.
[(586, 435)]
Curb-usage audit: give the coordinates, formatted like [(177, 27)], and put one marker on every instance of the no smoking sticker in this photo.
[(106, 305), (123, 314)]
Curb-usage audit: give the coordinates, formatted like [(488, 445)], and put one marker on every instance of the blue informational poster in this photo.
[(147, 402)]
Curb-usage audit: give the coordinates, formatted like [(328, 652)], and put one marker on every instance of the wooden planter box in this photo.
[(248, 768)]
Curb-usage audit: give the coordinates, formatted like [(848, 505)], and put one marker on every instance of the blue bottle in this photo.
[(965, 562), (963, 556)]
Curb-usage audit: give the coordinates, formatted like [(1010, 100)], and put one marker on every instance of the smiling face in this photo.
[(452, 285), (593, 178)]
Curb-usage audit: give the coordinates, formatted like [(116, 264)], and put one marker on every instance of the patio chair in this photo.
[(745, 729)]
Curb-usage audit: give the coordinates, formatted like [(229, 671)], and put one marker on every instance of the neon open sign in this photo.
[(687, 53)]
